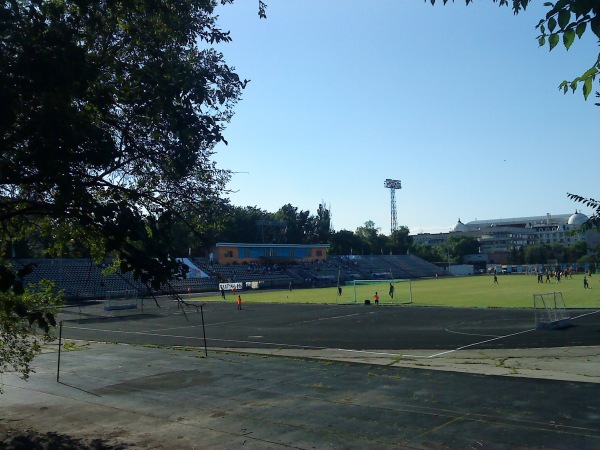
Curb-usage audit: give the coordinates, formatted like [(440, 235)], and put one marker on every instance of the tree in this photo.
[(344, 242), (368, 234), (322, 225), (400, 241), (577, 251), (564, 20), (429, 253), (240, 224), (300, 225), (460, 245), (536, 254), (110, 113), (20, 340)]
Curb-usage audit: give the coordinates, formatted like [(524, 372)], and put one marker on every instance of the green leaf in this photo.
[(564, 86), (591, 72), (542, 41), (568, 38), (551, 24), (580, 29), (553, 40), (587, 87), (573, 85), (595, 25), (564, 16)]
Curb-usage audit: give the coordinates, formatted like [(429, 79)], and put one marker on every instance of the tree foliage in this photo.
[(21, 317), (564, 21), (593, 222), (111, 110), (460, 245), (110, 113)]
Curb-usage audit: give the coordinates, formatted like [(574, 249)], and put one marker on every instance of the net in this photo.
[(390, 292), (123, 299), (550, 311)]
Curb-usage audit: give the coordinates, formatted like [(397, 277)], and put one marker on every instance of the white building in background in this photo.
[(498, 236)]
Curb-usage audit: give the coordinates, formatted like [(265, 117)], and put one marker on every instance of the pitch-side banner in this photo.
[(231, 286)]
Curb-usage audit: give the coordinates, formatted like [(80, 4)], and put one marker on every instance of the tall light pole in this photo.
[(393, 185)]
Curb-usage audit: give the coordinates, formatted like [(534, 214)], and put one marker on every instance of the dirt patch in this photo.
[(19, 438)]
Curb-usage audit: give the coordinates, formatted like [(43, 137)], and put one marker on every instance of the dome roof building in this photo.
[(577, 219), (459, 227)]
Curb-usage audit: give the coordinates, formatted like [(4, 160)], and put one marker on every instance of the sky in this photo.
[(457, 102)]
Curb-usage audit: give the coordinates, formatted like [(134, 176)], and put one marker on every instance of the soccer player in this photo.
[(391, 290), (376, 298), (239, 302)]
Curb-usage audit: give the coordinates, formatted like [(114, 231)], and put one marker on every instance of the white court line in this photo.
[(144, 333), (482, 342), (312, 347), (327, 318), (367, 352), (586, 314), (471, 334), (291, 323)]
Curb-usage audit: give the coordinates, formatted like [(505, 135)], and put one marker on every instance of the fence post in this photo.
[(60, 326), (203, 331)]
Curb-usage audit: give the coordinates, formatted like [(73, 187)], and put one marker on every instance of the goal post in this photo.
[(390, 292), (550, 311), (122, 299)]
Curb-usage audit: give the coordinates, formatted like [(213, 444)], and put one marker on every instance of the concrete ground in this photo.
[(148, 393)]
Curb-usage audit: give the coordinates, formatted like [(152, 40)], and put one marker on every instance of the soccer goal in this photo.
[(390, 292), (550, 311), (123, 299)]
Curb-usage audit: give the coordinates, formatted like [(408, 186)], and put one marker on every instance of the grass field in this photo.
[(512, 291)]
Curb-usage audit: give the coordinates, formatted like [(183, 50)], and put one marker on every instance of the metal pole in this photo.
[(337, 297), (59, 346), (203, 331)]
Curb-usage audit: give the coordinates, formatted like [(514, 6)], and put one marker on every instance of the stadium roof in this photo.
[(549, 218), (237, 244)]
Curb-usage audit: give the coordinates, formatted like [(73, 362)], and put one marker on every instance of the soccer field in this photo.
[(512, 291)]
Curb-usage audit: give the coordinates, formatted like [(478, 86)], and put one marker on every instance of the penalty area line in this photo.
[(481, 342)]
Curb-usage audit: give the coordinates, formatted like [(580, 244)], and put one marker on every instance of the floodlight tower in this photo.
[(392, 185)]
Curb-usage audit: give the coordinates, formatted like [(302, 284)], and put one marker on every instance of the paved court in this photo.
[(241, 396), (356, 327)]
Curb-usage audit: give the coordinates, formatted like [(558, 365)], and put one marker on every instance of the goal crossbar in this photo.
[(392, 291)]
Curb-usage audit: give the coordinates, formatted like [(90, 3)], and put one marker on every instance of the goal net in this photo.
[(123, 299), (390, 292), (550, 311)]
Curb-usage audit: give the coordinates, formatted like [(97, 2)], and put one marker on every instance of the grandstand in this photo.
[(81, 279), (399, 266), (271, 275)]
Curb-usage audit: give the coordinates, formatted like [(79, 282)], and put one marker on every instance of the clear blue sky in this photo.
[(459, 103)]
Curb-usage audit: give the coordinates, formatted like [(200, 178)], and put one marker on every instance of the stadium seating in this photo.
[(81, 279)]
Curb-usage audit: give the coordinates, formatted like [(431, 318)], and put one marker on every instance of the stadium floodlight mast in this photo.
[(393, 185)]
